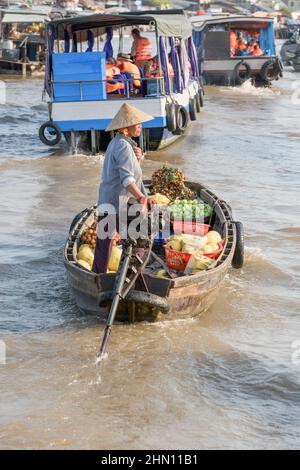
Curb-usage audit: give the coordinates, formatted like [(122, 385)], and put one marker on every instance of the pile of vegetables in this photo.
[(203, 250), (189, 210), (170, 183), (192, 244)]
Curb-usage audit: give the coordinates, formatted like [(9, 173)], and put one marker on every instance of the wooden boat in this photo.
[(166, 299), (22, 45)]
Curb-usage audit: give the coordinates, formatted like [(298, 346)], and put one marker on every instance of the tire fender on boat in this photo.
[(237, 72), (238, 257), (201, 96), (182, 120), (56, 131), (274, 66), (145, 298), (193, 109), (198, 102), (171, 117)]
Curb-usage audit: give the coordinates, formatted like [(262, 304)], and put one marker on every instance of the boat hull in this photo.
[(95, 115), (185, 301), (186, 296), (222, 72)]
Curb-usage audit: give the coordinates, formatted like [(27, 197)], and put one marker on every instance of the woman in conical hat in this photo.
[(121, 179)]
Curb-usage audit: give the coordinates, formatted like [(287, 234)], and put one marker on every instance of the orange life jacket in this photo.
[(112, 70), (232, 42), (143, 49), (242, 46), (133, 69), (257, 51)]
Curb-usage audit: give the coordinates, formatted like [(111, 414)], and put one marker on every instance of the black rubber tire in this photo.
[(280, 67), (201, 97), (182, 120), (265, 68), (198, 103), (238, 257), (57, 131), (137, 296), (193, 109), (171, 117), (236, 72), (296, 66)]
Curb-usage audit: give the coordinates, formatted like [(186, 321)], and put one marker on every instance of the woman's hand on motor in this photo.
[(138, 153)]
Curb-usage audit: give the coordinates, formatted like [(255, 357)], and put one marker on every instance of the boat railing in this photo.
[(150, 87)]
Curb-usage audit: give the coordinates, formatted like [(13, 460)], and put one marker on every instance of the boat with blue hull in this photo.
[(78, 89), (221, 62)]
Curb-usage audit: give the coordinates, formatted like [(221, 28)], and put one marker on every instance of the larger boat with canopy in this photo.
[(83, 98), (233, 48)]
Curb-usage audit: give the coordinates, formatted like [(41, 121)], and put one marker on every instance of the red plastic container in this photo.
[(176, 259), (216, 254), (189, 227)]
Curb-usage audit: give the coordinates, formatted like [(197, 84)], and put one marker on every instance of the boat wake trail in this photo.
[(248, 89)]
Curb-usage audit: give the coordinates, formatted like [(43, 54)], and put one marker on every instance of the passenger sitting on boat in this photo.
[(171, 69), (153, 70), (141, 50), (251, 45), (122, 180), (242, 48), (14, 33), (239, 37), (257, 50), (126, 64), (112, 86)]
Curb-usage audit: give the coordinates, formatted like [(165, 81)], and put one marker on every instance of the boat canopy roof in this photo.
[(23, 17), (174, 25), (199, 23)]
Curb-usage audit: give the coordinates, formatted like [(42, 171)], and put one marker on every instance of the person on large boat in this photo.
[(251, 45), (112, 86), (126, 65), (141, 50), (257, 50), (232, 43), (121, 180)]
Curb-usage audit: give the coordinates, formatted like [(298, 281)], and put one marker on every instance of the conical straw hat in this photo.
[(128, 116)]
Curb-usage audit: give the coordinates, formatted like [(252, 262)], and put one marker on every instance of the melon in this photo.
[(82, 247), (114, 260), (213, 237), (84, 264), (207, 249), (86, 254), (213, 247), (174, 244)]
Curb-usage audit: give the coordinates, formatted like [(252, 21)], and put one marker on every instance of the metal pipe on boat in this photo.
[(73, 142), (93, 141), (159, 60), (57, 40)]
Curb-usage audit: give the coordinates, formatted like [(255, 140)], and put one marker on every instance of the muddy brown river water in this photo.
[(229, 379)]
